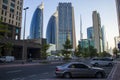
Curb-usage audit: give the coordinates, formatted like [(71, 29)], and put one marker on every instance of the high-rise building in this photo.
[(36, 28), (104, 42), (66, 25), (118, 13), (90, 33), (52, 28), (90, 37), (97, 31), (11, 15)]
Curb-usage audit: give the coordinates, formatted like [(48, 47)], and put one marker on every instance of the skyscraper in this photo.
[(66, 25), (36, 28), (118, 13), (90, 33), (104, 42), (97, 31), (11, 15), (52, 28)]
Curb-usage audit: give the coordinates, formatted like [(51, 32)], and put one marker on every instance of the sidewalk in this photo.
[(115, 73)]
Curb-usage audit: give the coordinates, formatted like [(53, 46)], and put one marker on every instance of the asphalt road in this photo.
[(33, 72)]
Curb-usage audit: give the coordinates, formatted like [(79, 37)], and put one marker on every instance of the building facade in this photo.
[(118, 13), (51, 29), (66, 25), (11, 15), (97, 31), (36, 28)]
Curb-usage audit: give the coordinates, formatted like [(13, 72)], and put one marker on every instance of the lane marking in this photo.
[(15, 71)]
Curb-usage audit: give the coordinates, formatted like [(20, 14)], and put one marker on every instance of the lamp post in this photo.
[(23, 54)]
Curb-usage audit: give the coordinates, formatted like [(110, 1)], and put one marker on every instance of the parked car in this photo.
[(7, 58), (106, 61), (79, 69)]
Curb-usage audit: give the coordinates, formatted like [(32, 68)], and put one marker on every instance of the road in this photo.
[(33, 72)]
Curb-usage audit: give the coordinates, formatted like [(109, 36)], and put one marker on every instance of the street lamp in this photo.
[(23, 54)]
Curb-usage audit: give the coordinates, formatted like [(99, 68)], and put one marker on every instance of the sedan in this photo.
[(79, 69)]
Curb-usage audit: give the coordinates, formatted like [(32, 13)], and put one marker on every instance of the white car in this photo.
[(102, 62), (7, 58)]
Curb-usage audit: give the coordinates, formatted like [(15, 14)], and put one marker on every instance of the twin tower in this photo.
[(60, 26)]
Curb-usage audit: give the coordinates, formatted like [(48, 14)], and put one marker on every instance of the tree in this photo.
[(8, 47), (79, 51), (66, 52), (92, 51), (44, 48), (4, 32), (115, 51)]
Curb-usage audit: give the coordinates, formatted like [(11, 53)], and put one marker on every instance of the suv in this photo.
[(106, 61)]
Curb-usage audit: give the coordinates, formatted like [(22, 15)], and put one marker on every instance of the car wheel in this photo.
[(99, 75), (67, 75)]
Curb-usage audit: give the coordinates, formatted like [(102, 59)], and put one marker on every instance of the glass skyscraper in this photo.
[(66, 25), (90, 33), (51, 28), (36, 28)]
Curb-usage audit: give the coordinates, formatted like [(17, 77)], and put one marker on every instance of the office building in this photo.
[(104, 41), (66, 25), (11, 15), (36, 28), (97, 31), (52, 28), (118, 13), (90, 33)]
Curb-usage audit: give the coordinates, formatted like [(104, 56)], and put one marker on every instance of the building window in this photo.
[(4, 19), (16, 23), (17, 7), (19, 24), (12, 5), (16, 17), (1, 18), (17, 12), (12, 21), (13, 0), (4, 7), (9, 21), (5, 1), (17, 30), (11, 10), (2, 12), (12, 16), (18, 2)]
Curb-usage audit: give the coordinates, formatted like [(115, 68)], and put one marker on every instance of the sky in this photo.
[(106, 9)]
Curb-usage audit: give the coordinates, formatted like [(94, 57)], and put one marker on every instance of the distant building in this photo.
[(66, 25), (90, 33), (85, 43), (97, 31), (51, 33), (36, 28), (104, 42), (11, 15), (118, 13)]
